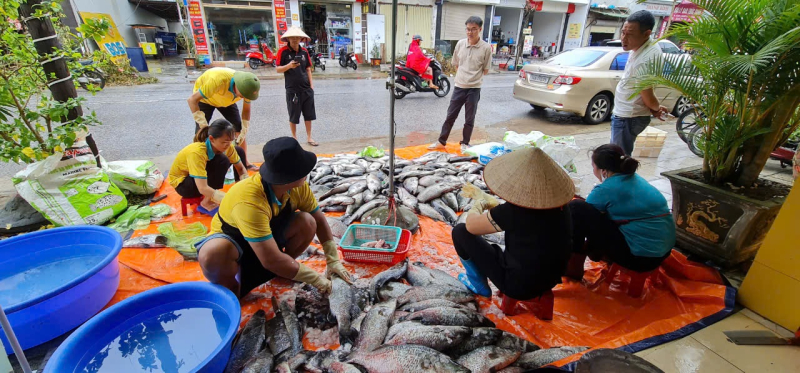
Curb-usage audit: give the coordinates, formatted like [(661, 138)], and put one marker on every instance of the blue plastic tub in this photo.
[(51, 281), (184, 327)]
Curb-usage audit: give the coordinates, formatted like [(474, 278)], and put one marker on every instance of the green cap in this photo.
[(247, 84)]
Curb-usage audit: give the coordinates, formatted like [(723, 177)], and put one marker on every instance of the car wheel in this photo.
[(681, 106), (537, 107), (598, 110)]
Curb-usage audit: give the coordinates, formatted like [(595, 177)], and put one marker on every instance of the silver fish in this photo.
[(358, 200), (407, 358), (449, 316), (340, 367), (392, 274), (416, 174), (373, 183), (369, 195), (334, 208), (357, 188), (407, 199), (261, 364), (367, 206), (411, 184), (456, 158), (392, 290), (321, 172), (435, 191), (429, 211), (437, 337), (448, 213), (488, 359), (512, 342), (363, 163), (292, 327), (462, 201), (374, 166), (453, 179), (540, 358), (353, 172), (430, 303), (418, 294), (480, 184), (480, 337), (451, 200), (249, 342), (356, 323), (341, 188), (375, 326), (341, 299), (427, 181), (421, 275), (338, 200), (328, 179), (397, 328)]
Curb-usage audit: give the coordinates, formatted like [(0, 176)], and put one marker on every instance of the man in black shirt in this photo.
[(295, 64)]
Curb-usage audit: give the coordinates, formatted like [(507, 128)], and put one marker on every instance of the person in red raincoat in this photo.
[(417, 61)]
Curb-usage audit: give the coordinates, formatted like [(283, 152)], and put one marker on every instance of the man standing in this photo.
[(295, 64), (472, 59), (219, 89), (631, 115)]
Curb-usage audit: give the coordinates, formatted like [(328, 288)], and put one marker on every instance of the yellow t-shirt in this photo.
[(191, 161), (249, 208), (216, 87)]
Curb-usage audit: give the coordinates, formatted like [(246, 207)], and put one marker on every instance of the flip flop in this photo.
[(313, 143), (203, 210), (252, 167)]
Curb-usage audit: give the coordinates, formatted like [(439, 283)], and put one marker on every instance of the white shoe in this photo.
[(436, 145), (464, 148)]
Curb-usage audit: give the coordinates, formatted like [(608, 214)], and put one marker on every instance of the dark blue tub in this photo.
[(51, 281), (184, 327)]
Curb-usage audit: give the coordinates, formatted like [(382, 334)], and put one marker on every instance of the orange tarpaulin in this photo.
[(685, 297)]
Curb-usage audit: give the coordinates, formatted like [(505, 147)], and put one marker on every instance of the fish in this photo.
[(407, 358), (411, 184), (323, 361), (392, 290), (335, 208), (420, 275), (341, 299), (375, 326), (416, 174), (260, 364), (419, 294), (449, 316), (407, 198), (341, 188), (249, 342), (449, 215), (462, 201), (488, 359), (369, 196), (367, 206), (340, 367), (363, 163), (328, 179), (292, 325), (435, 191), (361, 297), (337, 200), (357, 321), (278, 338), (479, 337), (512, 342), (358, 200), (357, 188), (540, 358), (466, 158), (373, 183), (398, 316), (322, 171), (429, 211), (379, 244), (337, 227), (430, 303), (394, 273), (313, 309), (427, 181), (309, 252), (396, 328), (374, 166), (512, 369), (451, 200), (105, 201), (437, 337), (480, 184)]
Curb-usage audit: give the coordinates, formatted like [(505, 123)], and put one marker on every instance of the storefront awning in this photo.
[(612, 13)]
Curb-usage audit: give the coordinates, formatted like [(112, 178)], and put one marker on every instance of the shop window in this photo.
[(235, 31)]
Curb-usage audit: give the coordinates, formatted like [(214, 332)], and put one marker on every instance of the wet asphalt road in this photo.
[(154, 120)]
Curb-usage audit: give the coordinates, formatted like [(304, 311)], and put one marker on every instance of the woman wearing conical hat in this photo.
[(536, 221)]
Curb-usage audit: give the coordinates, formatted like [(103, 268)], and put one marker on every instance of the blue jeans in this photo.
[(625, 130)]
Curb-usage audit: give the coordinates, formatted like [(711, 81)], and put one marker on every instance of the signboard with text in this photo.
[(280, 19), (197, 24), (112, 42)]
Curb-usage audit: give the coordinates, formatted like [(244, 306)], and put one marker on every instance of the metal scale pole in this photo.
[(391, 106)]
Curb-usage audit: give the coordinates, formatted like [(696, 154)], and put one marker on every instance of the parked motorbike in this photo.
[(257, 59), (90, 75), (316, 58), (347, 59), (409, 81)]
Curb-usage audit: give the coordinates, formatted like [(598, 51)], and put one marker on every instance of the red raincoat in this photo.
[(417, 61)]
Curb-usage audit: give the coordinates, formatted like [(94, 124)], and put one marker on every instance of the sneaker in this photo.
[(464, 148), (436, 145)]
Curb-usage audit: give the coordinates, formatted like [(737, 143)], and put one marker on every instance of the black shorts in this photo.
[(230, 113), (304, 105), (252, 274)]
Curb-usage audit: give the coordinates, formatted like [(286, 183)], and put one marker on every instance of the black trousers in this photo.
[(230, 113), (597, 236), (468, 98), (215, 176), (491, 261)]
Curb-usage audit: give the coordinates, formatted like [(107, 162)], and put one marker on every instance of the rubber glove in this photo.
[(200, 118), (471, 191), (243, 176), (334, 265), (311, 277), (243, 133), (218, 196)]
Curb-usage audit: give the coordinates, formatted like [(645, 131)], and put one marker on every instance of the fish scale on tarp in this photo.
[(687, 297)]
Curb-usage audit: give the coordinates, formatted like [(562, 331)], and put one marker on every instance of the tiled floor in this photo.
[(708, 350)]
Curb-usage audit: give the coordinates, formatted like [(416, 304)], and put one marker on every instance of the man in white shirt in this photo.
[(631, 115)]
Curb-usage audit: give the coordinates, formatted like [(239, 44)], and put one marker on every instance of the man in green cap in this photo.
[(220, 88)]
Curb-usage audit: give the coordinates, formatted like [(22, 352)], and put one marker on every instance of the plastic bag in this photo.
[(160, 211), (371, 152), (563, 150), (150, 241), (494, 152), (69, 189), (183, 240), (516, 141), (134, 218), (482, 149), (137, 177)]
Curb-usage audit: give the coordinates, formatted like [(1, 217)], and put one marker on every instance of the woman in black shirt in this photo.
[(536, 221)]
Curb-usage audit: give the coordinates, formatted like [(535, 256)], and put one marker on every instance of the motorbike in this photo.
[(316, 58), (409, 81), (256, 59), (90, 75), (347, 59)]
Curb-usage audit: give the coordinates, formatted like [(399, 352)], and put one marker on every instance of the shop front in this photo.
[(549, 28), (660, 9), (330, 26), (234, 28), (604, 24), (414, 17), (506, 23)]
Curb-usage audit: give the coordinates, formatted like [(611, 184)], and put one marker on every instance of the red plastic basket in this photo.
[(370, 256)]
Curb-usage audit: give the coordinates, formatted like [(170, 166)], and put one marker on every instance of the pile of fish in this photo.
[(408, 318), (427, 185)]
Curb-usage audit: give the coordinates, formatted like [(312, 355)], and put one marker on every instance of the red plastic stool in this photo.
[(189, 201), (638, 279), (541, 307)]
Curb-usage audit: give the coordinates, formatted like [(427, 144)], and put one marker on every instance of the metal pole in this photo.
[(12, 339), (391, 103)]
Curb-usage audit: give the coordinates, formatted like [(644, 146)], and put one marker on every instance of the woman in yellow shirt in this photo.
[(199, 169)]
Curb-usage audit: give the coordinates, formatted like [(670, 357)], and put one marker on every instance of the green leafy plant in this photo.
[(31, 125), (743, 78), (120, 73)]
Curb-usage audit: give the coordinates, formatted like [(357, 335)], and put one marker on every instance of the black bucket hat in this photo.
[(285, 161)]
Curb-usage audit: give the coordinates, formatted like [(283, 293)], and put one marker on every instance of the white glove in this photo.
[(243, 134), (200, 118), (243, 176), (218, 196)]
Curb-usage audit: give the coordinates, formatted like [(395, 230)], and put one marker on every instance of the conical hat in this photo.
[(294, 32), (529, 178)]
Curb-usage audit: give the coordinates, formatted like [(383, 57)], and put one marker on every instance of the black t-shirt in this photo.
[(296, 79), (538, 242)]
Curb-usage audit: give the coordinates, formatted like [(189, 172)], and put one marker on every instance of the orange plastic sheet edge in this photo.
[(599, 314)]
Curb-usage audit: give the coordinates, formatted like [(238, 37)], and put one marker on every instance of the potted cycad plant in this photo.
[(744, 78)]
